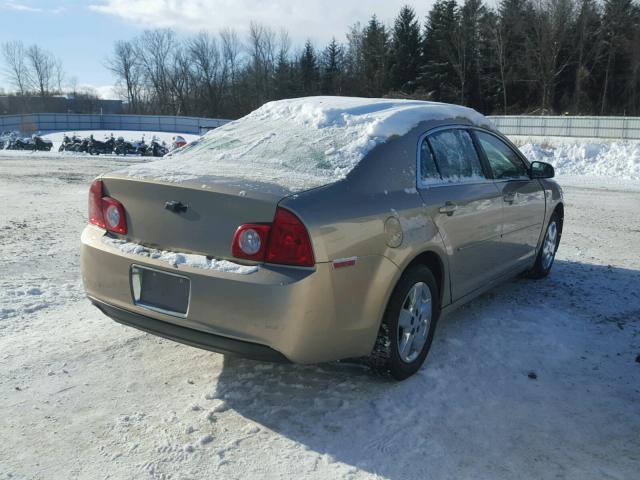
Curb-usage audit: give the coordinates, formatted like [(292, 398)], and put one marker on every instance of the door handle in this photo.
[(510, 197), (448, 208)]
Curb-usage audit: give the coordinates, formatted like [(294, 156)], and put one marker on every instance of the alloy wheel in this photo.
[(414, 322)]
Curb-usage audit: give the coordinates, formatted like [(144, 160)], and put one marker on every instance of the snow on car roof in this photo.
[(299, 143)]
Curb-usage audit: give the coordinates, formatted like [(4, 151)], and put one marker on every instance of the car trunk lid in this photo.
[(188, 217)]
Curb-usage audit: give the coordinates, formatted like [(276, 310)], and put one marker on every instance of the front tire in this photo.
[(408, 325), (548, 249)]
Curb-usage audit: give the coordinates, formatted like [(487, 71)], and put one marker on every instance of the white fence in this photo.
[(69, 122), (590, 127), (543, 126)]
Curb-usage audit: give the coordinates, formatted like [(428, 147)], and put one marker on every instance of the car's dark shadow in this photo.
[(472, 407)]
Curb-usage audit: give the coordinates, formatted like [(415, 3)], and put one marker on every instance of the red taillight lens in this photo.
[(289, 241), (286, 241), (250, 241), (96, 217), (106, 212)]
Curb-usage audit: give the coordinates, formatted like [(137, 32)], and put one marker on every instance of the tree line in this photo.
[(523, 56)]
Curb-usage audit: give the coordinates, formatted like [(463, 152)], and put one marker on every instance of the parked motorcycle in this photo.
[(83, 146), (96, 147), (156, 149), (73, 144), (123, 147), (140, 146), (5, 139), (36, 142), (42, 144)]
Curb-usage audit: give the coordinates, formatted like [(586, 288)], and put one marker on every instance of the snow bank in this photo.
[(176, 259), (619, 160), (300, 143)]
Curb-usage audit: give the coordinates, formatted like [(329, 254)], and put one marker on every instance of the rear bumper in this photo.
[(304, 315), (188, 336)]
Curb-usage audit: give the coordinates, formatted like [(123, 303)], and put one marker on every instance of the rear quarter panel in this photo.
[(347, 219)]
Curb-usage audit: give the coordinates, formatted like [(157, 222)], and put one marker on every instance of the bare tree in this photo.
[(16, 69), (155, 49), (231, 61), (125, 65), (58, 75), (262, 52), (207, 67), (42, 70), (549, 39), (182, 80), (457, 55), (498, 44)]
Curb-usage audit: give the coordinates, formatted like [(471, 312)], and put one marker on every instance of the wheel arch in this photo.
[(435, 263)]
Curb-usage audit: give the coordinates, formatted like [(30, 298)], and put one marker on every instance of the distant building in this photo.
[(82, 103)]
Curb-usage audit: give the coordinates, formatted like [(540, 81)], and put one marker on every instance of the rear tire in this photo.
[(548, 249), (408, 326)]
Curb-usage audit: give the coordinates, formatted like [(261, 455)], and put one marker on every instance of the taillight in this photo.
[(96, 216), (250, 241), (289, 241), (106, 212), (285, 241)]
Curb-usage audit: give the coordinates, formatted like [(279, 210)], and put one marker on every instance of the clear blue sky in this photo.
[(82, 33)]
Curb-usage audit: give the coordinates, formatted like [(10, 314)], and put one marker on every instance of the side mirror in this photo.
[(541, 170)]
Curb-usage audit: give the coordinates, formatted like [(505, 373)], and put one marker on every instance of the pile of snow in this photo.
[(177, 259), (619, 160), (300, 143)]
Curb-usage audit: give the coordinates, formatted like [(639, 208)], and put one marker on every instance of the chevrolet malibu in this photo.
[(320, 229)]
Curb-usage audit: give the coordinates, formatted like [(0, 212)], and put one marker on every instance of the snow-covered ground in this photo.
[(84, 397)]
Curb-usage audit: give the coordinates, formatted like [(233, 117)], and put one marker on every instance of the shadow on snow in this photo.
[(473, 407)]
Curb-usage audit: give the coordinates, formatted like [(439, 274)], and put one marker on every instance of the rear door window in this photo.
[(504, 162), (455, 156), (428, 169)]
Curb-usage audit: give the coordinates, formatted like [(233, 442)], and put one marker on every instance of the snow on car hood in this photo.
[(299, 143)]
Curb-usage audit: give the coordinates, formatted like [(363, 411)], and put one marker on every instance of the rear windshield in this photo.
[(294, 155)]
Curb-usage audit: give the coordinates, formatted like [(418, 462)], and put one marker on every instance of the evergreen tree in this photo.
[(491, 98), (441, 52), (332, 65), (405, 51), (375, 54), (285, 78), (516, 18), (309, 72), (471, 17)]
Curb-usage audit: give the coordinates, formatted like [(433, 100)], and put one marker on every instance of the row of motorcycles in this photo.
[(111, 145), (13, 141)]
